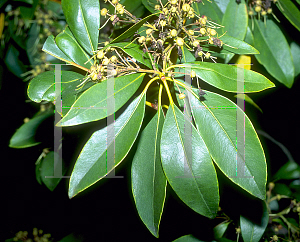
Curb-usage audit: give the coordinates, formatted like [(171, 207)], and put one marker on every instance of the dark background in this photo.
[(106, 211)]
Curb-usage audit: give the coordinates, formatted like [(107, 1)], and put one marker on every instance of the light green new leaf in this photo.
[(295, 49), (51, 48), (210, 9), (224, 77), (188, 165), (130, 32), (187, 238), (83, 18), (232, 142), (25, 136), (235, 19), (69, 45), (92, 164), (290, 11), (92, 104), (147, 176), (253, 231), (134, 51), (275, 54), (46, 169)]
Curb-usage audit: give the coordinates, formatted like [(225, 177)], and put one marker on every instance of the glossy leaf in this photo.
[(134, 51), (220, 229), (134, 7), (130, 32), (83, 19), (187, 164), (222, 5), (235, 19), (239, 46), (253, 231), (216, 119), (290, 170), (249, 37), (91, 105), (25, 136), (42, 87), (148, 179), (277, 61), (46, 170), (69, 45), (290, 11), (149, 4), (210, 9), (248, 100), (51, 48), (187, 238), (91, 165), (224, 76), (295, 49)]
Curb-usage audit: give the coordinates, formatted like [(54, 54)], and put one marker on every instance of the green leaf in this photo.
[(224, 77), (149, 4), (249, 37), (83, 18), (134, 51), (275, 54), (210, 9), (13, 62), (130, 32), (187, 238), (25, 136), (72, 238), (42, 87), (235, 19), (295, 49), (148, 179), (248, 100), (134, 7), (2, 2), (240, 47), (92, 104), (220, 229), (46, 169), (91, 165), (290, 11), (51, 48), (222, 4), (282, 189), (216, 119), (69, 45), (251, 230), (187, 164), (290, 170), (27, 13)]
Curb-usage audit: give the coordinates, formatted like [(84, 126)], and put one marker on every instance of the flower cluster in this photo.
[(260, 7), (37, 236)]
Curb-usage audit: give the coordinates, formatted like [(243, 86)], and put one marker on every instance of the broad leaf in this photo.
[(148, 179), (248, 100), (187, 56), (220, 229), (252, 231), (290, 170), (46, 170), (134, 51), (83, 19), (69, 45), (210, 9), (150, 4), (187, 238), (42, 87), (290, 11), (188, 165), (235, 19), (222, 4), (130, 32), (25, 136), (236, 46), (282, 189), (92, 165), (295, 49), (51, 48), (92, 104), (278, 61), (232, 141), (225, 78)]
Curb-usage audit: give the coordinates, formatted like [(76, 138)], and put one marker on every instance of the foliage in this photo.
[(157, 62)]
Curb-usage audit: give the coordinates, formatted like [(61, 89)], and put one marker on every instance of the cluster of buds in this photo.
[(260, 7), (37, 236)]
